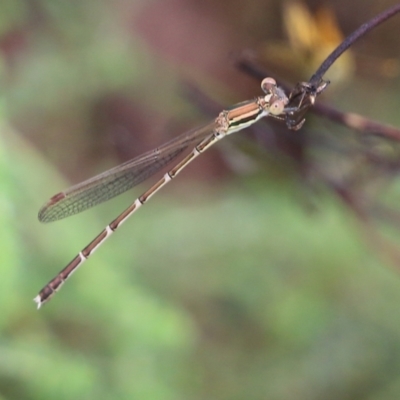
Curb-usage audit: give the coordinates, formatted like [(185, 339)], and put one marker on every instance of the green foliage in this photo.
[(244, 293), (253, 291)]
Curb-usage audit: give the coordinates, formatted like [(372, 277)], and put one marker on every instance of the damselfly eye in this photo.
[(277, 107), (268, 84)]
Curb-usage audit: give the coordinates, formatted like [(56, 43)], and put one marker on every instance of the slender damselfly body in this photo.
[(274, 103)]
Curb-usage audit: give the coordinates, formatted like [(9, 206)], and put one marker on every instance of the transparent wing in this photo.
[(119, 179)]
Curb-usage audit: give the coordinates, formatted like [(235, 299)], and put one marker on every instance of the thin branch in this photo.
[(361, 31)]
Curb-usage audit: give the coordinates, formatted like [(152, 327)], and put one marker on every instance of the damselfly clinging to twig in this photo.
[(117, 180)]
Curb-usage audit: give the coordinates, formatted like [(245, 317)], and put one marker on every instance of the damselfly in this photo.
[(274, 103)]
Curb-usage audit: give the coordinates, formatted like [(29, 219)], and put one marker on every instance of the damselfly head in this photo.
[(275, 96)]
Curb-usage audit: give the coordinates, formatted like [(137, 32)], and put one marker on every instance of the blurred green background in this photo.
[(242, 279)]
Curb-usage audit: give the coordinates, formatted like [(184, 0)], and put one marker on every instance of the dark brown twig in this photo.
[(361, 31)]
